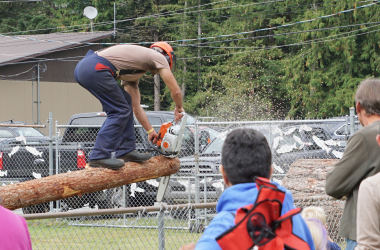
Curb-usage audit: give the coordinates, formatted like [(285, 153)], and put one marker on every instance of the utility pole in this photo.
[(157, 87), (38, 94), (183, 87), (199, 41), (114, 20)]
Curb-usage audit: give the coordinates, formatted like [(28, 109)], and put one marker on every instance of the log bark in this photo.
[(88, 180), (307, 177)]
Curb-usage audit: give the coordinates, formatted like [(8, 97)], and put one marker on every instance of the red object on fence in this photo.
[(81, 159)]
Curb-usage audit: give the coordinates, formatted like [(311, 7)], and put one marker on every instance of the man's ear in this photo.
[(225, 178), (378, 139), (358, 107)]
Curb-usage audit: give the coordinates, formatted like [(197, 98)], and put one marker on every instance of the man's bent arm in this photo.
[(175, 91), (134, 92), (348, 172)]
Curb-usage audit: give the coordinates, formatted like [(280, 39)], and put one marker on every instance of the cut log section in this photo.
[(88, 180)]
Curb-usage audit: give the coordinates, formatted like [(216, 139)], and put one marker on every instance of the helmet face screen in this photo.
[(171, 59), (167, 52), (167, 58)]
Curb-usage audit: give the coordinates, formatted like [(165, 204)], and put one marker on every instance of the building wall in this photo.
[(62, 99), (56, 66), (59, 93)]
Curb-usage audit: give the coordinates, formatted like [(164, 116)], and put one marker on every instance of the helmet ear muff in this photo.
[(167, 51), (167, 58), (173, 60)]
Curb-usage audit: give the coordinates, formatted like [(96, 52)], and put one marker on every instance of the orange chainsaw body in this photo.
[(163, 130)]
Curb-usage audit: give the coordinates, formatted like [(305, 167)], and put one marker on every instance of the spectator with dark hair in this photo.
[(368, 218), (14, 231), (245, 155), (360, 160)]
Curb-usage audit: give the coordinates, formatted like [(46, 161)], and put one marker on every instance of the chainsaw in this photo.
[(170, 136), (169, 143)]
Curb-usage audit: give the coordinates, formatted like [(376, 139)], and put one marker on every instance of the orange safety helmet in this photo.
[(169, 52)]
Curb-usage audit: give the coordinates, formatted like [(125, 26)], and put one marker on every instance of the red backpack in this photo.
[(261, 224)]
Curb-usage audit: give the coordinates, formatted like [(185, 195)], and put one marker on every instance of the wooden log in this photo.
[(307, 177), (88, 180)]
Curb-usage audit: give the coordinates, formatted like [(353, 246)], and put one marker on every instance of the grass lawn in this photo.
[(78, 234), (110, 234)]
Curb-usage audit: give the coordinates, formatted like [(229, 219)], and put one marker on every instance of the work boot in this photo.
[(109, 163), (136, 156)]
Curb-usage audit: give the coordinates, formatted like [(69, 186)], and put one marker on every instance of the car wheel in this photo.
[(39, 208)]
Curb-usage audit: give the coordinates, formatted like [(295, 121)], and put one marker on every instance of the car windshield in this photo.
[(215, 147), (28, 132), (190, 120)]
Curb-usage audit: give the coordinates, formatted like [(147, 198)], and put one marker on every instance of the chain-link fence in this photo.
[(161, 227), (170, 224)]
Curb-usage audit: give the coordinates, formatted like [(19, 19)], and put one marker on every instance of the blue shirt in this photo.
[(240, 195)]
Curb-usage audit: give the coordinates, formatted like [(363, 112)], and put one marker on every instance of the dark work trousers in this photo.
[(117, 134)]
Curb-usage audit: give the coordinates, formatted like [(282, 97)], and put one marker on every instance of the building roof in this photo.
[(24, 47)]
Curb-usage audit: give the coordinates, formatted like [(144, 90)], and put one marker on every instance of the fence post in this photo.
[(51, 165), (161, 228), (352, 121), (58, 203), (196, 158), (124, 201)]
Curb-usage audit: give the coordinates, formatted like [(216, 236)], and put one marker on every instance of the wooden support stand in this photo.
[(88, 180)]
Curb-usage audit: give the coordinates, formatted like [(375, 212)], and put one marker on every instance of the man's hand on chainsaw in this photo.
[(153, 137), (178, 114)]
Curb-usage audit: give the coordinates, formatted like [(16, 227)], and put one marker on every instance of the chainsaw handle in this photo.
[(178, 121), (153, 137), (178, 115)]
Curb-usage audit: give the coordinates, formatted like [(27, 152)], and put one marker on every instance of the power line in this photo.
[(318, 40), (137, 29), (76, 58), (104, 23), (163, 14), (277, 34), (180, 23), (47, 59), (197, 11), (254, 31), (19, 1), (253, 49), (227, 35), (280, 26), (17, 74)]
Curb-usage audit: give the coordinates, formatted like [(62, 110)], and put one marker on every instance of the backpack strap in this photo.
[(261, 181), (284, 230), (261, 224)]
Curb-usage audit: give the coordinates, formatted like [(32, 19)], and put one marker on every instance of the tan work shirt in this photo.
[(134, 57), (368, 217)]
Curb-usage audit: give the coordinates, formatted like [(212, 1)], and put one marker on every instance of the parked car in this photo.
[(288, 144), (23, 156), (22, 148), (307, 141), (77, 142)]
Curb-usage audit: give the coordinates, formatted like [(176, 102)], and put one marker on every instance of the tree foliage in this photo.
[(251, 59)]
